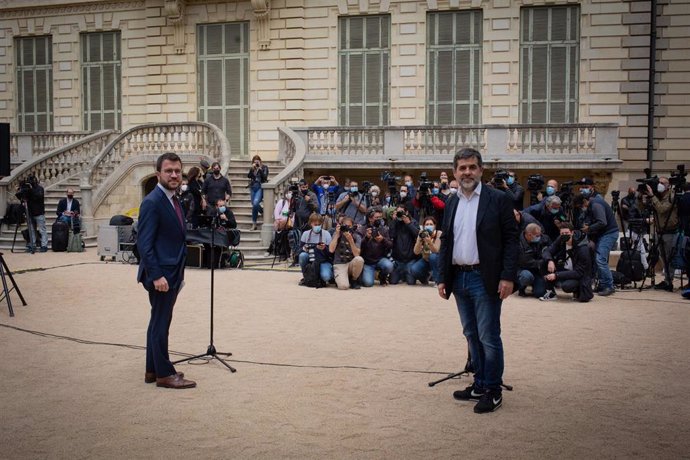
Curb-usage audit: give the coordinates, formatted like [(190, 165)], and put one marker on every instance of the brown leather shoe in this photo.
[(150, 377), (174, 381)]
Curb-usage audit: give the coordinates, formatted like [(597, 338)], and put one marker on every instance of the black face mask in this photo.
[(631, 195), (216, 172), (70, 196)]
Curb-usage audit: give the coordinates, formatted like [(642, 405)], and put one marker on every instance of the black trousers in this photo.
[(157, 358), (568, 286)]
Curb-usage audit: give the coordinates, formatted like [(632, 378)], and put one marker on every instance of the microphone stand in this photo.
[(211, 350)]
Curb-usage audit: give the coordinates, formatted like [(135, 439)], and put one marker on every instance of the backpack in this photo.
[(311, 275), (630, 265), (75, 244), (121, 220)]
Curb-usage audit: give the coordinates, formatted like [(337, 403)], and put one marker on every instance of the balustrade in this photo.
[(25, 146)]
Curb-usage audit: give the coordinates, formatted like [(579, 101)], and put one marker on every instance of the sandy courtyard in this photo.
[(329, 374)]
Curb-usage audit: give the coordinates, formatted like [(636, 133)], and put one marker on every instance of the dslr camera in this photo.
[(677, 178), (423, 234), (425, 185), (652, 181), (25, 187), (500, 178), (345, 229), (535, 182)]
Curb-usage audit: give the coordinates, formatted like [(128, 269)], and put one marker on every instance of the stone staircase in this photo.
[(52, 197)]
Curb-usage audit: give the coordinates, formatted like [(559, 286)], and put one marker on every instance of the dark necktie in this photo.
[(178, 210)]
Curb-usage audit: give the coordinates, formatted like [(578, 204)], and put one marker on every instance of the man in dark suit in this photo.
[(162, 249), (68, 211), (478, 264)]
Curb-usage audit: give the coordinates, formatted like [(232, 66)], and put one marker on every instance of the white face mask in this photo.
[(184, 188), (403, 194), (453, 190), (661, 188), (374, 194), (288, 195)]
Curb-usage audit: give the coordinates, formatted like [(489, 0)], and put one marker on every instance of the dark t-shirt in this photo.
[(215, 189)]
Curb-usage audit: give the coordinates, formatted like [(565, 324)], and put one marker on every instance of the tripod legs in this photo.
[(4, 273), (211, 351)]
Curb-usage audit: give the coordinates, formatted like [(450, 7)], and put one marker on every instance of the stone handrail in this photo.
[(292, 152), (193, 137), (25, 146)]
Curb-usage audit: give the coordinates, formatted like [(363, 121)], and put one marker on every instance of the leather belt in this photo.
[(466, 268)]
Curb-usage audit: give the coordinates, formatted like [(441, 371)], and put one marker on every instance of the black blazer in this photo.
[(62, 206), (497, 240)]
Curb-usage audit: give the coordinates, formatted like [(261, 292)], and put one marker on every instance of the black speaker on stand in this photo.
[(4, 149)]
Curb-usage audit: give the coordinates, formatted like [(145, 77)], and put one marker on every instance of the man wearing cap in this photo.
[(600, 226)]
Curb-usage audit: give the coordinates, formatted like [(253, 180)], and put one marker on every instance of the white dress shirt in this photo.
[(465, 250), (69, 205)]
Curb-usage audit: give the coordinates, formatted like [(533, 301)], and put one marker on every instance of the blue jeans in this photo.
[(603, 248), (257, 194), (41, 226), (480, 316), (325, 268), (421, 268), (528, 278), (401, 271), (384, 265)]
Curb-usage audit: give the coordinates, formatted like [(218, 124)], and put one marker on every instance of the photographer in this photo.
[(226, 218), (351, 203), (347, 262), (33, 194), (569, 265), (505, 181), (549, 215), (305, 204), (374, 197), (428, 244), (258, 174), (403, 230), (315, 243), (531, 262), (667, 227), (327, 190), (411, 190), (375, 247), (600, 225), (523, 219), (428, 203)]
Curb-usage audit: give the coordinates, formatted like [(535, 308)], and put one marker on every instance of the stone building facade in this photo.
[(289, 56)]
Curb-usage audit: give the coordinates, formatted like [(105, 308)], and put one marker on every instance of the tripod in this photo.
[(657, 243), (5, 270), (29, 223), (211, 350), (466, 371)]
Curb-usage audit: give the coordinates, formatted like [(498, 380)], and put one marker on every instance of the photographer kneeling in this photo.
[(347, 263), (428, 244), (531, 260), (315, 243), (375, 247), (569, 265)]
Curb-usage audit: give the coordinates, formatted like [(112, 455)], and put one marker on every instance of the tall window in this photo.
[(101, 82), (223, 66), (549, 60), (454, 59), (34, 83), (364, 70)]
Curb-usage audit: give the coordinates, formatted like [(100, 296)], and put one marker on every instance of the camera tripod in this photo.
[(633, 244), (24, 214), (4, 273)]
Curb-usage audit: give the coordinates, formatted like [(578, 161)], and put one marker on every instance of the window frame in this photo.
[(85, 73), (22, 115)]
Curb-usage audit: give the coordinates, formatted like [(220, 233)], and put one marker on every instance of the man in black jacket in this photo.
[(531, 264), (68, 211), (569, 265), (549, 214), (403, 232), (478, 265), (37, 209)]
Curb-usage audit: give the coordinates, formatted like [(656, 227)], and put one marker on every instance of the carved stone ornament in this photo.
[(262, 12), (174, 10)]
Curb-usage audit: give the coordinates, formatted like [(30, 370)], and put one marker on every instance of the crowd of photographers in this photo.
[(353, 235)]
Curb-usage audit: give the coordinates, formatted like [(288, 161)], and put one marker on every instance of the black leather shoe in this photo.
[(606, 292)]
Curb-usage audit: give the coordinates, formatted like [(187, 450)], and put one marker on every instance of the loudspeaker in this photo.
[(4, 149)]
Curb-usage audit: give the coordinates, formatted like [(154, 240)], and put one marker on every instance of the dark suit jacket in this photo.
[(497, 240), (161, 241), (62, 206)]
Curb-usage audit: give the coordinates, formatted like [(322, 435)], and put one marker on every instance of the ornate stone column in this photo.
[(262, 12), (174, 10)]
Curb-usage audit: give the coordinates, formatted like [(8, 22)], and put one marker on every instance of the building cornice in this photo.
[(8, 12)]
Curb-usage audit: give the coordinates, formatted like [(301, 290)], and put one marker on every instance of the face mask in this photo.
[(216, 172), (429, 228), (434, 191), (631, 195), (586, 191), (554, 211), (661, 188), (374, 194), (511, 180), (222, 209), (408, 183), (550, 190), (184, 188), (388, 200), (317, 229), (403, 194), (72, 196), (444, 185), (453, 190), (354, 189), (288, 195), (536, 239)]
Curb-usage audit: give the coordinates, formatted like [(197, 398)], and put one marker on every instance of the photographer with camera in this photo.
[(376, 244), (569, 265), (666, 218), (347, 261), (314, 248), (411, 190), (531, 263), (327, 190), (403, 231), (549, 215), (599, 223), (31, 192), (427, 202), (305, 204), (352, 204), (427, 245), (505, 181), (258, 174)]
